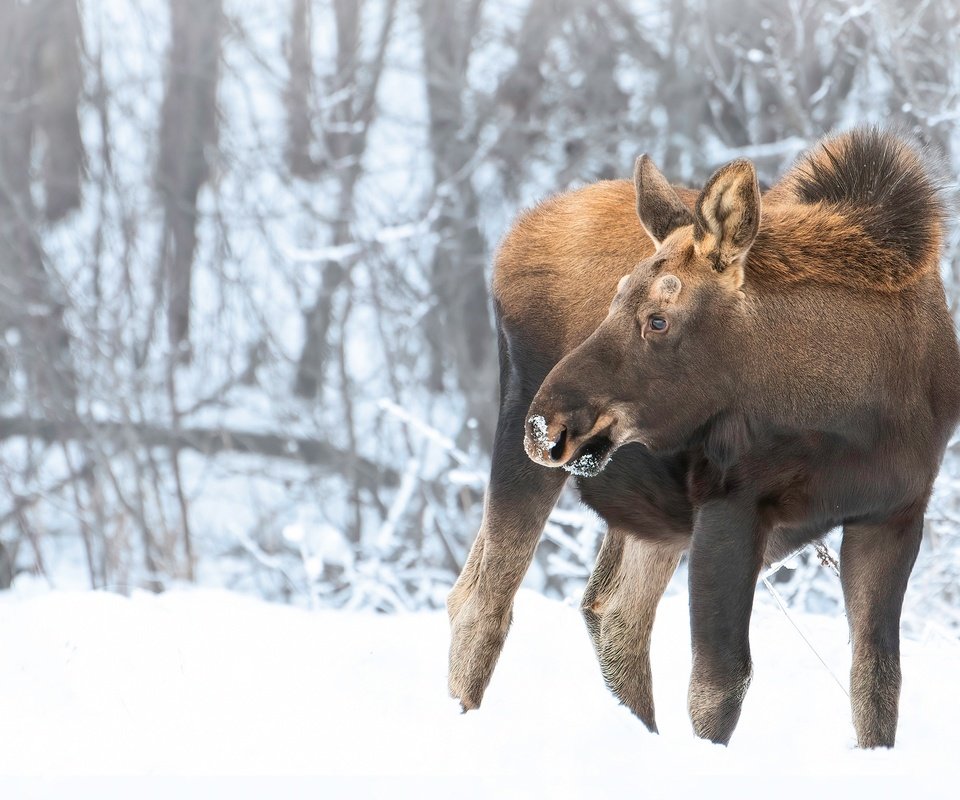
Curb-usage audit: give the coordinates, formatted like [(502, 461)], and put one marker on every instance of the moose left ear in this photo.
[(728, 218), (660, 209)]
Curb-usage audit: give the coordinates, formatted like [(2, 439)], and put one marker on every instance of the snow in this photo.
[(587, 466), (200, 682), (538, 441)]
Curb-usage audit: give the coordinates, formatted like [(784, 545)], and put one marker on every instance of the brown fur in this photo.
[(882, 184), (800, 243), (480, 604), (564, 254), (619, 606), (771, 368)]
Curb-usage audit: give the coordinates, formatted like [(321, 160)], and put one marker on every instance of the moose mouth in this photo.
[(590, 458)]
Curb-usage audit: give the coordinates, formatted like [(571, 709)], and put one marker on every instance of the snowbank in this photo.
[(200, 682)]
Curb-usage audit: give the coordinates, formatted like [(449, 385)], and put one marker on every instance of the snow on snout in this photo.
[(539, 444), (587, 466)]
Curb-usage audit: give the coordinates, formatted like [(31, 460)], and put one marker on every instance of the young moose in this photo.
[(768, 369)]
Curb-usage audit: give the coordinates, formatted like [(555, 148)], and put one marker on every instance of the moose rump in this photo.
[(728, 374)]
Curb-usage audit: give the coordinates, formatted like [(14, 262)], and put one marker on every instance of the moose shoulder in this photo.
[(729, 375)]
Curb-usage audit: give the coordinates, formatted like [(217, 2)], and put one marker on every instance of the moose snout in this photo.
[(546, 442), (554, 439)]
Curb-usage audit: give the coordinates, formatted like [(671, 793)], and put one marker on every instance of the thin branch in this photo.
[(209, 442)]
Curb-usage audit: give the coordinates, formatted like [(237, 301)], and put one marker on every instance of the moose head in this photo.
[(665, 359)]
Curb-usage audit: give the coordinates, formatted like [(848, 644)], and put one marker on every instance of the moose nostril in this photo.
[(556, 452)]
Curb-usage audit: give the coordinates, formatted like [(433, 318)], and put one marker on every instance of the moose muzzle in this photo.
[(579, 441)]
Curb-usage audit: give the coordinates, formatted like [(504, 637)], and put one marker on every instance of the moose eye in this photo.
[(657, 323)]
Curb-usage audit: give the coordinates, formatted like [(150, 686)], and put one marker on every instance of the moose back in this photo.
[(729, 375)]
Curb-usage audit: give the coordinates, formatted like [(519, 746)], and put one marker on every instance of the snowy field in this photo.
[(198, 683)]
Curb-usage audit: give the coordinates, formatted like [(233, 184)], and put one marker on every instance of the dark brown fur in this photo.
[(807, 379)]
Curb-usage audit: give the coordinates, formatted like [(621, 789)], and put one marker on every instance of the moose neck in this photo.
[(816, 356)]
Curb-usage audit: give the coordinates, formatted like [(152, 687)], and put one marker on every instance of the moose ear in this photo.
[(728, 218), (660, 210)]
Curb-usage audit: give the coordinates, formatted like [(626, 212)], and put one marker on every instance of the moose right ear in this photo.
[(660, 209)]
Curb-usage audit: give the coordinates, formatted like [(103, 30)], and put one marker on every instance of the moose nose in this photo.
[(546, 442), (554, 440)]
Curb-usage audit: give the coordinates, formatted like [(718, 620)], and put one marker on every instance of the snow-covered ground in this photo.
[(200, 682)]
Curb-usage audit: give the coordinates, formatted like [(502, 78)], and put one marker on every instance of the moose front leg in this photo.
[(725, 557), (619, 606), (875, 563), (520, 497)]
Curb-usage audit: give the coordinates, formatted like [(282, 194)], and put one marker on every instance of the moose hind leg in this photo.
[(520, 497), (619, 605), (875, 563)]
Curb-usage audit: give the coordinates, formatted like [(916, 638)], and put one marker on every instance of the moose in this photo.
[(732, 375)]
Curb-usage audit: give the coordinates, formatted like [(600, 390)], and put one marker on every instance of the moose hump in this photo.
[(860, 209)]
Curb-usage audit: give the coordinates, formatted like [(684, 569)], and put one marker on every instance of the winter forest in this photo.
[(248, 354), (246, 336)]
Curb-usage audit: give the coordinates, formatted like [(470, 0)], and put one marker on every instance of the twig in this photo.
[(779, 600), (827, 558), (428, 431)]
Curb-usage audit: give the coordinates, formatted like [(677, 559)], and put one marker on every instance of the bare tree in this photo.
[(346, 124), (188, 140), (315, 421)]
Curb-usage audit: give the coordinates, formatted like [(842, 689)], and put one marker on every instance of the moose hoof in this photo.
[(715, 709)]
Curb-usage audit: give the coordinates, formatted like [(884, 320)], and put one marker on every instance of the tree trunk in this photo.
[(188, 133), (34, 39), (459, 329), (299, 91), (345, 141)]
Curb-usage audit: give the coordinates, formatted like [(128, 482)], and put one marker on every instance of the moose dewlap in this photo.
[(730, 375)]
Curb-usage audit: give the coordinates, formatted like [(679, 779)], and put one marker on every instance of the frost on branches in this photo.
[(245, 335)]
